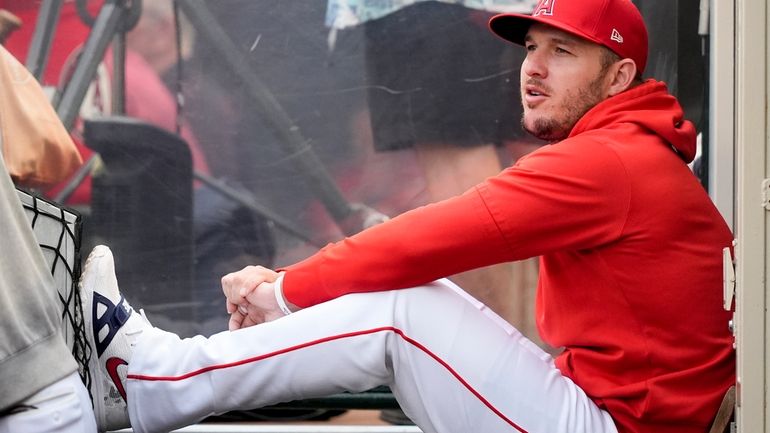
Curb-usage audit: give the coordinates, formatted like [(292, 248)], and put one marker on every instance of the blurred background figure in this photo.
[(226, 235), (439, 86)]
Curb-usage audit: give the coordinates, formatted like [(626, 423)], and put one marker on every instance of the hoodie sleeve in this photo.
[(563, 196), (574, 195)]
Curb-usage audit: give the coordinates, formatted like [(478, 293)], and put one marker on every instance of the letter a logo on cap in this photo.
[(616, 36), (545, 7)]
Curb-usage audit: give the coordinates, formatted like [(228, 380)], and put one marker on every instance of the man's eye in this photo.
[(560, 50), (530, 47)]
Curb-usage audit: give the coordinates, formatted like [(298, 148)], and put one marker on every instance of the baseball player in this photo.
[(630, 251)]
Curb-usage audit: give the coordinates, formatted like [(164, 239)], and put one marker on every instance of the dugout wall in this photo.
[(739, 184)]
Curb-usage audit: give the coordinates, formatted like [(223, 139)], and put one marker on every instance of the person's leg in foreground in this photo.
[(41, 390), (453, 365)]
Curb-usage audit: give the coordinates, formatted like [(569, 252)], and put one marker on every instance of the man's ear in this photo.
[(623, 73)]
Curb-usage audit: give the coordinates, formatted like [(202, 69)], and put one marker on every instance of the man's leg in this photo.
[(450, 170), (453, 365), (40, 390)]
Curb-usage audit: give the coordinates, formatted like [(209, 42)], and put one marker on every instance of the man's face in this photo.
[(561, 79)]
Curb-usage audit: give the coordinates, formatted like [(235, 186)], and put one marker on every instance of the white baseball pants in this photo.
[(453, 365), (62, 407)]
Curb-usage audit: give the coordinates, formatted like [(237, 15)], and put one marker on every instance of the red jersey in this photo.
[(631, 259)]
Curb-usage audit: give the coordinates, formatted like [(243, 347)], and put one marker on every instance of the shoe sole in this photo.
[(98, 390)]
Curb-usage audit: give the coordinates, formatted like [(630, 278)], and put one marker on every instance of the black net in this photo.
[(58, 232)]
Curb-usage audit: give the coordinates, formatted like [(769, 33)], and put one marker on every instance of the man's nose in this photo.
[(534, 65)]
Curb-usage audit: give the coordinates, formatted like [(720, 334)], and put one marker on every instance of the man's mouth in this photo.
[(534, 95), (534, 90)]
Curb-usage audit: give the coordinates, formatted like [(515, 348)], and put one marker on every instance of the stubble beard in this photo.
[(554, 129)]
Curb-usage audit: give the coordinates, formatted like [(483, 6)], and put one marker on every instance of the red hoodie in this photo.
[(631, 267)]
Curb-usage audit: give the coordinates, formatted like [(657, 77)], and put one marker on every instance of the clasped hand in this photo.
[(250, 296)]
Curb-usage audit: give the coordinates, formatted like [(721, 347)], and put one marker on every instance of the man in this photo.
[(42, 391), (41, 388), (630, 248)]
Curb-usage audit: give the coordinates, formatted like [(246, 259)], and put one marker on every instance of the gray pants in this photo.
[(33, 353)]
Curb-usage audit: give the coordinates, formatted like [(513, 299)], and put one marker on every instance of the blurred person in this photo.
[(146, 96), (226, 234), (154, 41), (439, 85), (68, 38)]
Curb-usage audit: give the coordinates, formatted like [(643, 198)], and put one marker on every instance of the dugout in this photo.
[(258, 134)]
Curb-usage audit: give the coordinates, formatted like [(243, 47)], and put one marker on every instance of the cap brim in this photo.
[(513, 27)]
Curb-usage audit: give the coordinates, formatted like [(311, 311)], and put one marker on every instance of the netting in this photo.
[(58, 232)]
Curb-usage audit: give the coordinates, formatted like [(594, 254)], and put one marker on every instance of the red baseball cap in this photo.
[(616, 24)]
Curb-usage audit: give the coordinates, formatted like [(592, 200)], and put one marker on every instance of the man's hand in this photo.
[(251, 296)]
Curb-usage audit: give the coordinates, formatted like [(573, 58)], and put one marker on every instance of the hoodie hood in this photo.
[(650, 106)]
